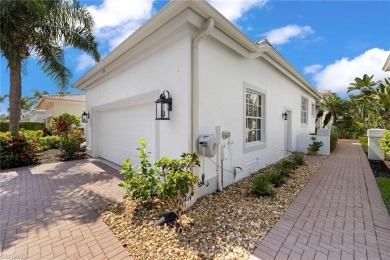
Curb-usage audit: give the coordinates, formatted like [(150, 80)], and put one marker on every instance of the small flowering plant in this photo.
[(17, 151)]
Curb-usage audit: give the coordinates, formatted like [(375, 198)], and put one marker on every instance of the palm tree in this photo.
[(334, 106), (26, 103), (43, 27), (2, 98), (37, 95)]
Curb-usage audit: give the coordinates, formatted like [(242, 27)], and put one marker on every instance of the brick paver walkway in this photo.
[(340, 214), (48, 212)]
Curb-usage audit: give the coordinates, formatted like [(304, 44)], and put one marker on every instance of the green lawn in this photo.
[(384, 186), (383, 183), (364, 141)]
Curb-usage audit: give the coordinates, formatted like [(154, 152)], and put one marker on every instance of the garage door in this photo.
[(119, 131)]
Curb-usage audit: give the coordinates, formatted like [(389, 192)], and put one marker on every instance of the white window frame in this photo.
[(253, 146), (313, 109), (304, 111)]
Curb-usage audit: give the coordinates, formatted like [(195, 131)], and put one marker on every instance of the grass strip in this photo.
[(384, 186), (364, 141)]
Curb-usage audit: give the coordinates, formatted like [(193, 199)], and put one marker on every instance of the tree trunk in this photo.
[(15, 95)]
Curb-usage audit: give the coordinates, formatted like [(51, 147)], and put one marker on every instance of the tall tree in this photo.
[(333, 105), (37, 95), (373, 101), (3, 97), (43, 27)]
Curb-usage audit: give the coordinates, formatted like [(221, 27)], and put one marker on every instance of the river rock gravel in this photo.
[(223, 225)]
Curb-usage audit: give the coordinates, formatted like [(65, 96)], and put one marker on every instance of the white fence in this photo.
[(323, 135)]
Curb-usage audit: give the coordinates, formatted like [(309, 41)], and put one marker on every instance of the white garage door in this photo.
[(119, 131)]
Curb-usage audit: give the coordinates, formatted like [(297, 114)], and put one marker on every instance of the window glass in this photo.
[(304, 109), (253, 117)]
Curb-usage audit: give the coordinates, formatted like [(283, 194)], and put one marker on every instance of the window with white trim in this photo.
[(253, 117), (313, 110), (304, 111)]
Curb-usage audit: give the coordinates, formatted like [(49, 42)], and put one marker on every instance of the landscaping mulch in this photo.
[(54, 155), (223, 225), (49, 156), (380, 168)]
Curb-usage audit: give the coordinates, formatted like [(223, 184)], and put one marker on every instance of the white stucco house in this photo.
[(38, 115), (54, 105), (219, 80)]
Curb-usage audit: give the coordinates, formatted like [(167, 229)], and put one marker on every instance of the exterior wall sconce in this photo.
[(85, 117), (284, 116), (163, 106)]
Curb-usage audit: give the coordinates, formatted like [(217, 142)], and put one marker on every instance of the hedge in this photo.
[(4, 126)]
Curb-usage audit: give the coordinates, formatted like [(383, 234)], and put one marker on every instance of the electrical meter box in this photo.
[(207, 145)]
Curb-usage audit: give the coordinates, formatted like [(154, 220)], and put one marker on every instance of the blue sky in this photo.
[(328, 42)]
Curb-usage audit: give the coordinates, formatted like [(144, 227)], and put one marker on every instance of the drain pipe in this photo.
[(195, 96)]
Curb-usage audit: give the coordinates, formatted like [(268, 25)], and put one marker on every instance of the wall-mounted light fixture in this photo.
[(284, 116), (85, 117), (163, 106)]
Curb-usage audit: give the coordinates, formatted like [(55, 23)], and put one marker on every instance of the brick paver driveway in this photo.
[(48, 211), (340, 214)]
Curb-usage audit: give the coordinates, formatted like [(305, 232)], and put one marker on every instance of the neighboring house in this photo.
[(38, 115), (386, 67), (57, 104), (216, 76)]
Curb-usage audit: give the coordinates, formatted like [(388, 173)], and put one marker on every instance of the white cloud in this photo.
[(115, 20), (84, 61), (284, 34), (234, 9), (312, 69), (338, 75)]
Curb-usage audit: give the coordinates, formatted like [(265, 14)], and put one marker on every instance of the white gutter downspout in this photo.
[(195, 96)]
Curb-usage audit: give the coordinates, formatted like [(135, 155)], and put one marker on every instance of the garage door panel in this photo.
[(120, 129)]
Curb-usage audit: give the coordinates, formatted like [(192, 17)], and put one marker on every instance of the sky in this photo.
[(328, 42)]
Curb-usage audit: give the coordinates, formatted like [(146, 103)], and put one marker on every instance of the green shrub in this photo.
[(70, 143), (348, 128), (285, 172), (178, 180), (49, 142), (261, 186), (144, 183), (286, 167), (314, 147), (276, 179), (4, 126), (384, 142), (64, 123), (286, 164), (140, 184), (298, 158), (334, 137), (16, 151), (32, 134)]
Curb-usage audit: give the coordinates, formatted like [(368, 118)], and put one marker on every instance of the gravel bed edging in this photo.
[(223, 225)]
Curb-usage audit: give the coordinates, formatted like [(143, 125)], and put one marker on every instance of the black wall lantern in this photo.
[(85, 117), (163, 106), (284, 116)]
